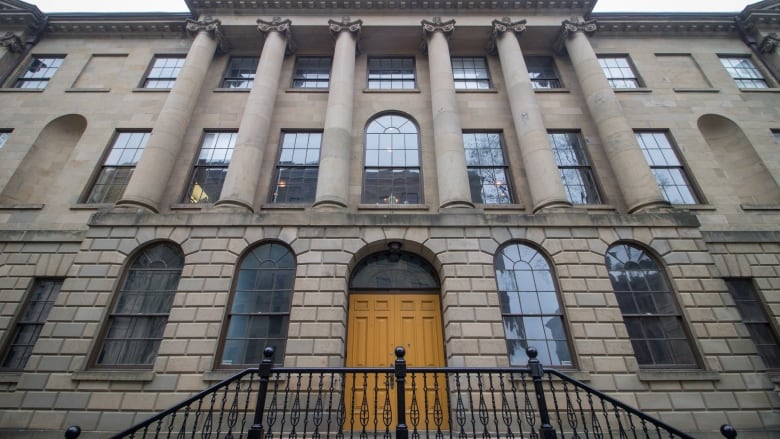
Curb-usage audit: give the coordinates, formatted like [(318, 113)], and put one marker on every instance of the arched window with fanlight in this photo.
[(140, 310), (392, 161), (259, 313), (530, 306), (650, 309)]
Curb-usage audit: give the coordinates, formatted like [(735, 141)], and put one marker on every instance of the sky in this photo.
[(601, 6)]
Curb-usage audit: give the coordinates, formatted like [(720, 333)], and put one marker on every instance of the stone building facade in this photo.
[(179, 190)]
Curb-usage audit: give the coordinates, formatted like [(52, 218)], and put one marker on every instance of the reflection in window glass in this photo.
[(575, 169), (755, 317), (118, 167), (743, 71), (529, 304), (400, 271), (391, 73), (4, 135), (211, 168), (298, 168), (470, 73), (668, 171), (140, 313), (164, 72), (541, 69), (240, 72), (312, 72), (30, 323), (487, 170), (650, 310), (392, 162), (39, 71), (619, 72), (260, 308)]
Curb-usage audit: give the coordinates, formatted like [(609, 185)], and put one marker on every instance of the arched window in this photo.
[(260, 307), (530, 307), (392, 167), (649, 308), (140, 310)]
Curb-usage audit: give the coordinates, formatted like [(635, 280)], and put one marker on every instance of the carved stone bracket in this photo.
[(12, 42), (569, 28), (769, 43), (353, 27), (501, 26), (211, 25), (284, 27), (429, 27)]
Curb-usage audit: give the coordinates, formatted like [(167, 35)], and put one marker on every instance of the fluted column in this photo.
[(333, 181), (544, 179), (243, 176), (451, 171), (150, 178), (634, 177)]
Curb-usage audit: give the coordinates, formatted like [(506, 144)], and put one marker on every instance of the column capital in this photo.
[(501, 26), (431, 27), (12, 42), (571, 27), (213, 26), (346, 24), (283, 27), (769, 43)]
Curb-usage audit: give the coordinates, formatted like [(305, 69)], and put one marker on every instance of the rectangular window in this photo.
[(118, 167), (211, 167), (541, 70), (28, 327), (297, 168), (4, 135), (163, 71), (487, 170), (39, 71), (743, 71), (574, 167), (240, 72), (619, 72), (391, 73), (777, 135), (470, 73), (312, 72), (755, 317), (669, 172)]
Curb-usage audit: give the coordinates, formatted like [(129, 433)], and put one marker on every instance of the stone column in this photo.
[(333, 178), (161, 153), (240, 187), (634, 177), (544, 179), (451, 173)]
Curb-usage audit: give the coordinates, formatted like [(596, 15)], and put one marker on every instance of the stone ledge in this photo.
[(21, 206), (760, 207), (760, 90), (696, 90), (476, 90), (10, 377), (677, 375), (88, 90), (232, 90), (391, 90), (632, 90), (307, 90), (743, 236), (113, 375), (151, 90), (22, 90), (551, 90)]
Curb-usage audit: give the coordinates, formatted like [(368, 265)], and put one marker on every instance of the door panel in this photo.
[(377, 324)]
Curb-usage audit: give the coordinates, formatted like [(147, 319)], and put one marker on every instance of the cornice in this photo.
[(117, 24), (15, 13), (665, 24), (581, 7), (765, 13)]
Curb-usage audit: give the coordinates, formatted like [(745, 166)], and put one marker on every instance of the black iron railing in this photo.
[(400, 402)]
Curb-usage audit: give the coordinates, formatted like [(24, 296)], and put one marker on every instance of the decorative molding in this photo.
[(569, 28), (430, 27), (284, 27), (501, 26), (12, 42), (118, 26), (534, 6), (345, 24), (769, 43), (213, 26)]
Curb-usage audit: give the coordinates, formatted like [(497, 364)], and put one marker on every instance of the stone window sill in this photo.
[(10, 377), (88, 90), (501, 206), (677, 375), (760, 207), (391, 90), (698, 207), (113, 375), (22, 90), (476, 90), (551, 90), (88, 206), (151, 90), (696, 90), (394, 207), (632, 90), (307, 90), (232, 90), (21, 206), (284, 206), (190, 206), (760, 90)]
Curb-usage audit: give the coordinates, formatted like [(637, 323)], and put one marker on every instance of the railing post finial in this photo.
[(264, 370), (401, 430), (72, 432), (728, 431), (546, 431)]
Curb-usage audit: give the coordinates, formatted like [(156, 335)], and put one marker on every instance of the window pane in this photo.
[(669, 172), (470, 73), (211, 168), (529, 303), (650, 310), (39, 71), (298, 168), (33, 317), (757, 320), (392, 172), (118, 167), (240, 72), (487, 172), (163, 72), (312, 72), (140, 312), (259, 313), (391, 73), (619, 72), (744, 72), (541, 70), (575, 169)]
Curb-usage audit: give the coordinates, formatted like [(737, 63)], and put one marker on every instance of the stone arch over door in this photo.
[(34, 180), (739, 163)]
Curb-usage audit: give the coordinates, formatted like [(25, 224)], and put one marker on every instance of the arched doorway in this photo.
[(394, 300)]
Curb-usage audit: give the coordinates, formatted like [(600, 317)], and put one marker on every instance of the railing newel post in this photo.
[(72, 432), (401, 430), (546, 430), (728, 431), (264, 370)]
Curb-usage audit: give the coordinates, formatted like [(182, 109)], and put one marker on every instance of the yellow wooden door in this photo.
[(377, 324)]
